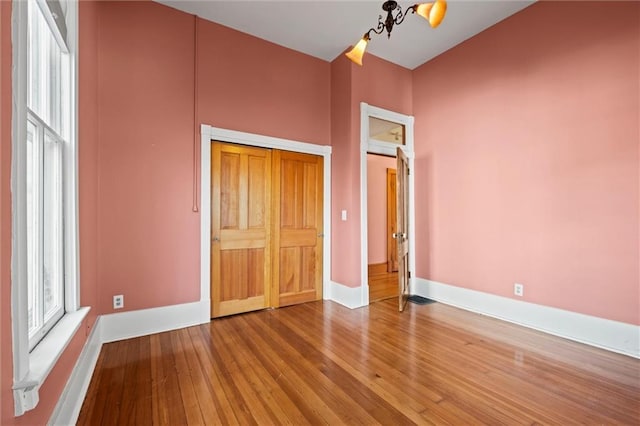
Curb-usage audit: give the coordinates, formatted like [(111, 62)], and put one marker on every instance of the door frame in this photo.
[(368, 145), (207, 135)]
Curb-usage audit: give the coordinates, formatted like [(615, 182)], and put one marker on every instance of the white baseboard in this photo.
[(120, 326), (603, 333), (131, 324), (351, 297), (68, 407)]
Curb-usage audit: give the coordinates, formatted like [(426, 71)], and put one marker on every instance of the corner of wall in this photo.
[(351, 297)]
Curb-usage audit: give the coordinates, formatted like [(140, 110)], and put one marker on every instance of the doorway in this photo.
[(382, 247), (399, 134)]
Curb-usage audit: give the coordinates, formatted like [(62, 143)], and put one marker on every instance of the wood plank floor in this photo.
[(322, 363), (382, 284)]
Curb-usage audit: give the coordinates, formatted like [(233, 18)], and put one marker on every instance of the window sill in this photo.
[(44, 357)]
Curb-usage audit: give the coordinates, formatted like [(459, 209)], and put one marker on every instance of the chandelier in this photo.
[(432, 12)]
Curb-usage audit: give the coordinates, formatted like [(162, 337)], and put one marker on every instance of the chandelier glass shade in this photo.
[(357, 52), (433, 12)]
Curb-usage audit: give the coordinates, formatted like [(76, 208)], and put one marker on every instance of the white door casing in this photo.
[(368, 145)]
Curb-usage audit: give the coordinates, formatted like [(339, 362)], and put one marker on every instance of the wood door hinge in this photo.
[(408, 171), (408, 274)]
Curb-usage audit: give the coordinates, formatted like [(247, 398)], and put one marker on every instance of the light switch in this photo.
[(344, 215)]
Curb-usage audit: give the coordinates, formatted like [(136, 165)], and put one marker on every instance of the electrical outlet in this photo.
[(118, 301), (518, 289)]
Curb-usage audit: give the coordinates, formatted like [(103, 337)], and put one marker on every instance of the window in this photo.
[(45, 310), (48, 93), (45, 291), (386, 131)]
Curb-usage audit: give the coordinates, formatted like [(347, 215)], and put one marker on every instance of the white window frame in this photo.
[(31, 368)]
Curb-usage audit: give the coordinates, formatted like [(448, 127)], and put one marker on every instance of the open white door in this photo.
[(402, 231)]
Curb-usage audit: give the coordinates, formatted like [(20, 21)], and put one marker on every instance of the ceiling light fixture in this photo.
[(432, 12)]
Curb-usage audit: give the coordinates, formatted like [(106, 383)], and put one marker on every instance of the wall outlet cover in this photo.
[(118, 301), (518, 289)]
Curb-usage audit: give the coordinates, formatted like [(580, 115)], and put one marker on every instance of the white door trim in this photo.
[(368, 145), (210, 133)]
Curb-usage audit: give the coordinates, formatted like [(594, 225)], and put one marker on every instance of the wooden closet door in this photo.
[(298, 228), (240, 228)]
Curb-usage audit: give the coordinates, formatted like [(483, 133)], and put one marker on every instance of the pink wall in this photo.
[(148, 236), (345, 235), (527, 164), (382, 84), (379, 83), (377, 166), (250, 85)]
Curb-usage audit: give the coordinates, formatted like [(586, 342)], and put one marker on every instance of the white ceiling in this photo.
[(325, 28)]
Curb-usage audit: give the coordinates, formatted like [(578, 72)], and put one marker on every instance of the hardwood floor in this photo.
[(382, 284), (322, 363)]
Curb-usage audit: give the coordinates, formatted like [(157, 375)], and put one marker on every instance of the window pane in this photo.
[(34, 90), (54, 84), (386, 131), (33, 229), (52, 227), (47, 70), (65, 96)]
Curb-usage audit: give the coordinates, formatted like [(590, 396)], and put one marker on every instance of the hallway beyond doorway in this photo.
[(382, 284)]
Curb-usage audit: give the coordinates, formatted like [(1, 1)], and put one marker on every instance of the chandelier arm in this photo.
[(399, 19), (412, 9), (378, 30), (381, 25)]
